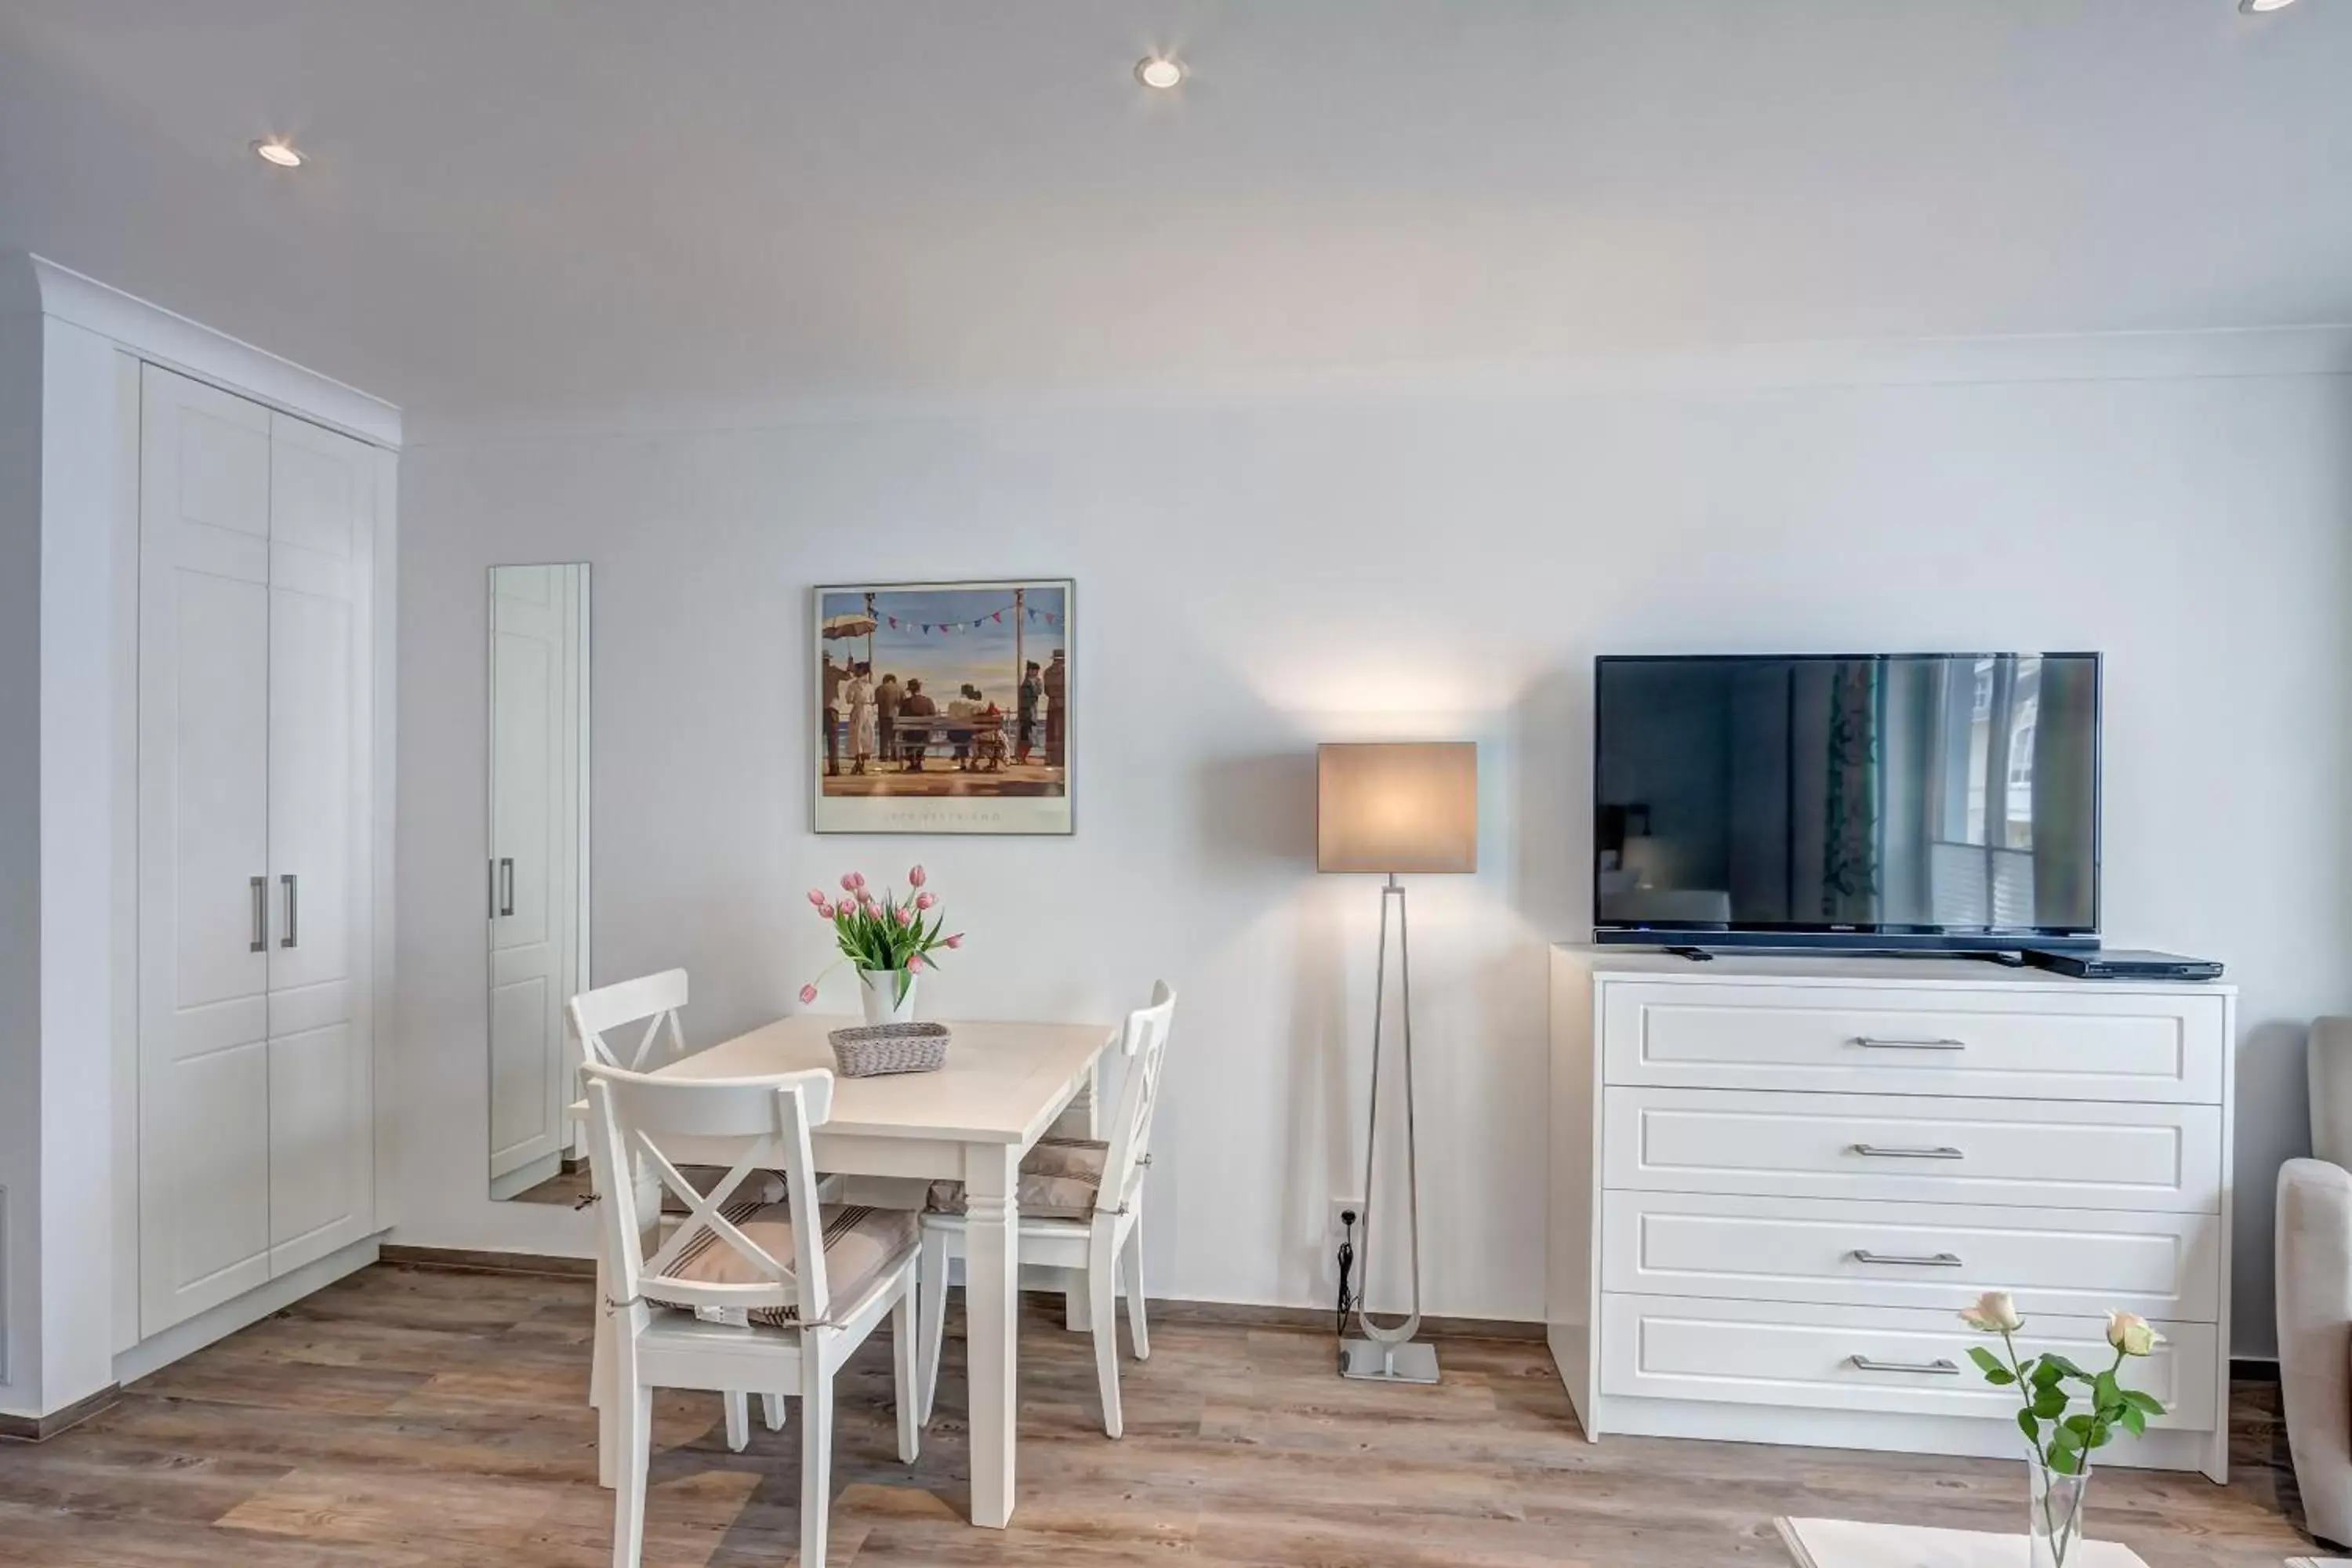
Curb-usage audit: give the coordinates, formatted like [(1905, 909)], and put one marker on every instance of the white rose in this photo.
[(1994, 1313), (2130, 1332)]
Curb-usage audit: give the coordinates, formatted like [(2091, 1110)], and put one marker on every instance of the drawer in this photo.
[(2080, 1262), (2041, 1044), (1912, 1362), (1916, 1149)]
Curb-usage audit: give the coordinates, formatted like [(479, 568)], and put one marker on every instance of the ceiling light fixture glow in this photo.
[(2256, 7), (283, 153), (1158, 72)]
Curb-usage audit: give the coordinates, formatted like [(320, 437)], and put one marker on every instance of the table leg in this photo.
[(1079, 1120), (991, 1316)]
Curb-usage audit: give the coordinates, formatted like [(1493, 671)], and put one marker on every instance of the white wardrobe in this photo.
[(257, 906)]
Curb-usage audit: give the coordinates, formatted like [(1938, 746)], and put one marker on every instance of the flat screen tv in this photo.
[(1904, 801)]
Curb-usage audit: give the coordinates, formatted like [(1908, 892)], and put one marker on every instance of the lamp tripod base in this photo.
[(1375, 1362)]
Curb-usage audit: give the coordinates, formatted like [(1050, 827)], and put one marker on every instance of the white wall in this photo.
[(1256, 576)]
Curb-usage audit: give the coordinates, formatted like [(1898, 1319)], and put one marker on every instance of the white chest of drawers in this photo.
[(1776, 1180)]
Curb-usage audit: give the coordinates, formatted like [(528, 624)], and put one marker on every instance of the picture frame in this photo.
[(943, 707)]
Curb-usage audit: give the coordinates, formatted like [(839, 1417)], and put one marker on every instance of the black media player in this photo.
[(2122, 963)]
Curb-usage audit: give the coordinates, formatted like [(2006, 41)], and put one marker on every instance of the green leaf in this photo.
[(2050, 1403), (2105, 1391), (1988, 1360), (2144, 1403), (2047, 1372), (2134, 1421), (2098, 1436), (2065, 1437), (2030, 1426), (1999, 1377), (2065, 1461), (2065, 1368)]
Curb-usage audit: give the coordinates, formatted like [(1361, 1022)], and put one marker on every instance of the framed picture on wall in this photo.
[(943, 707)]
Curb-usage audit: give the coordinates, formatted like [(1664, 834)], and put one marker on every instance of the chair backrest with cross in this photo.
[(654, 1000), (1144, 1044), (633, 1115)]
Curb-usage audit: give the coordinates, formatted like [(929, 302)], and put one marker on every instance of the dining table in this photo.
[(1004, 1085)]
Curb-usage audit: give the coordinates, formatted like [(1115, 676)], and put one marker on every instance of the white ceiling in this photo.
[(541, 204)]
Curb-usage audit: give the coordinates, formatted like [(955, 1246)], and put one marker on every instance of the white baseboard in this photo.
[(186, 1339)]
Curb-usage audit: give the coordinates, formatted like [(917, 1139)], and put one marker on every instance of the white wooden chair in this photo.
[(741, 1294), (1081, 1207), (656, 1001)]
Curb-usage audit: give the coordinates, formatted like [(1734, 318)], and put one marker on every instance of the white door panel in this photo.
[(321, 537), (212, 1243), (204, 971), (320, 1164), (532, 872)]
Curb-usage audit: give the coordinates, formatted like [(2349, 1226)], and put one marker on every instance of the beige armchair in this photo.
[(2314, 1291)]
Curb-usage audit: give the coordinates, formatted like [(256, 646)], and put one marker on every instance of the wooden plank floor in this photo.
[(413, 1416)]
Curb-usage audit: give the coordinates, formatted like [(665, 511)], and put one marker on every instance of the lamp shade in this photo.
[(1397, 806)]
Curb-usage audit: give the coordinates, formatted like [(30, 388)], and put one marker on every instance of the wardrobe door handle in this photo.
[(260, 915), (506, 872), (1940, 1367), (293, 927), (1879, 1152), (1872, 1043), (492, 868), (1897, 1260)]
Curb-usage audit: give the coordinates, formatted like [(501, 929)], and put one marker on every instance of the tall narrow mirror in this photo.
[(535, 875)]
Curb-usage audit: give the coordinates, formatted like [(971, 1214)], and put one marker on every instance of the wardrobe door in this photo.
[(203, 788), (322, 502), (533, 790)]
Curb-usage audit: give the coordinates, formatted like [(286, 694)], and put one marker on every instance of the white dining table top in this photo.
[(1003, 1082)]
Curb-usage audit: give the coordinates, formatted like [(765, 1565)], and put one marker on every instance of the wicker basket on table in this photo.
[(874, 1050)]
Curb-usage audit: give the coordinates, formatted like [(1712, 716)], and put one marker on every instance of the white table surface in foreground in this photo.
[(1003, 1085), (1842, 1543)]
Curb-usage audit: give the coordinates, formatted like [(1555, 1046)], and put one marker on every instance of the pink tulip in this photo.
[(825, 909), (915, 878), (926, 900), (808, 994), (956, 940), (914, 960), (906, 916), (858, 879), (816, 897), (849, 881)]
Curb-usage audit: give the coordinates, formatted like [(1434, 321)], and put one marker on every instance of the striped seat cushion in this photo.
[(860, 1244), (1060, 1179)]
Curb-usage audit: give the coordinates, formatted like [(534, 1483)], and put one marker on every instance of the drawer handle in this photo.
[(1940, 1367), (1897, 1260), (1882, 1152), (1872, 1043)]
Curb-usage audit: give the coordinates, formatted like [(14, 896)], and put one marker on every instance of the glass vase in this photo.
[(2053, 1515)]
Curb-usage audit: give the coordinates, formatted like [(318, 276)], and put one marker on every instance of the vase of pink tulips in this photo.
[(888, 940), (2065, 1413)]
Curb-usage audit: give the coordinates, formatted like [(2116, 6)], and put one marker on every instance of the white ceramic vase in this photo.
[(887, 994)]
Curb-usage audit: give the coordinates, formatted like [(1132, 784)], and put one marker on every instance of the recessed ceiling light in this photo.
[(1159, 70), (2256, 7), (283, 153)]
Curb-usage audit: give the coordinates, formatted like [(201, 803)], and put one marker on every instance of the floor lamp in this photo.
[(1393, 809)]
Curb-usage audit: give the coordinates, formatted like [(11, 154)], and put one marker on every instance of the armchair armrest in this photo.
[(2315, 1330)]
